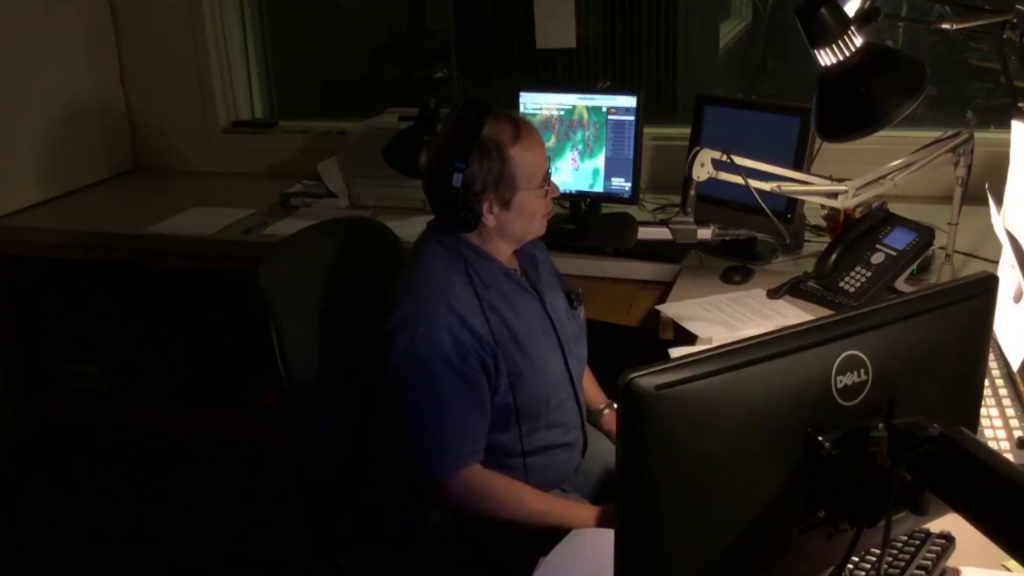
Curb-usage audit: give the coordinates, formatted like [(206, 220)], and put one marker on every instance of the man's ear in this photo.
[(489, 211)]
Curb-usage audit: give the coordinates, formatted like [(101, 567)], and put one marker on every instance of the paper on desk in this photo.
[(304, 217), (730, 315), (687, 350), (681, 351), (332, 175), (980, 572), (408, 228), (199, 221)]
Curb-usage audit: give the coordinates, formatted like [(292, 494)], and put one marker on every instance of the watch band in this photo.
[(599, 414)]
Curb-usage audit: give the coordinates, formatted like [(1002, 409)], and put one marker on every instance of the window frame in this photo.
[(741, 17), (663, 144)]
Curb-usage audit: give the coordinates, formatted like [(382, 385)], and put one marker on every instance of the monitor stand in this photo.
[(587, 228), (745, 250)]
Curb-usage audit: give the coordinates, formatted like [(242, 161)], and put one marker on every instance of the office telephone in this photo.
[(869, 257)]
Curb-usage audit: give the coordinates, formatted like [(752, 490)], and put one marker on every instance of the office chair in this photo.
[(328, 290)]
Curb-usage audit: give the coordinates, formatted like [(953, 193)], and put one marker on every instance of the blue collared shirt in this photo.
[(489, 364)]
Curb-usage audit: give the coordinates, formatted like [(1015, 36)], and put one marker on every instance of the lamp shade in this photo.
[(863, 87), (868, 93)]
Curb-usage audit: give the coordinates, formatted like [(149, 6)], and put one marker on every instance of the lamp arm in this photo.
[(891, 174), (830, 192), (798, 184)]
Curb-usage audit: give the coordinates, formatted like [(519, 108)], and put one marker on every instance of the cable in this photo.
[(814, 229), (840, 568), (656, 209), (785, 233), (976, 257), (960, 252), (816, 152), (896, 470)]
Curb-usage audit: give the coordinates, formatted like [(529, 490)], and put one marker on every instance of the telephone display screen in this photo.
[(899, 238)]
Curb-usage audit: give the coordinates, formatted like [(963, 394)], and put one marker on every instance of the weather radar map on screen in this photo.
[(589, 139)]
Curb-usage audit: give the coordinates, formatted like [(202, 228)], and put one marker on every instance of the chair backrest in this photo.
[(329, 290)]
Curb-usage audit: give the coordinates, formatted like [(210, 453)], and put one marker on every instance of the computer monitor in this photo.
[(719, 453), (593, 141), (778, 134)]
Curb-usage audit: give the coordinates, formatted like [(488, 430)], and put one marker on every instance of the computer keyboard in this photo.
[(920, 553), (1002, 420)]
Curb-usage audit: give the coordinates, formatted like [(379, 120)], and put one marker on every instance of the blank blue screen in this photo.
[(753, 134), (899, 238)]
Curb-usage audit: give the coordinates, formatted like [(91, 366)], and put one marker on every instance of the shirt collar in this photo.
[(486, 267)]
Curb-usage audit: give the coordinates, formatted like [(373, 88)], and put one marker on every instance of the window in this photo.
[(352, 59)]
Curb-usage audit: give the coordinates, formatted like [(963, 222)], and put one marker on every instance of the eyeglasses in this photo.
[(546, 183)]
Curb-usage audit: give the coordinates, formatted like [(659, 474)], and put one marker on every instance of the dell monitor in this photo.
[(777, 134), (761, 456)]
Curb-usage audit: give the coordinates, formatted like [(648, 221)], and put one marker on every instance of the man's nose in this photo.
[(554, 191)]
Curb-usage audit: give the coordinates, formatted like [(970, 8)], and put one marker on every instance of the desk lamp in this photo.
[(862, 88)]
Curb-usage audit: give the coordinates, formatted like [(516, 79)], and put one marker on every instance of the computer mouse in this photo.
[(737, 275)]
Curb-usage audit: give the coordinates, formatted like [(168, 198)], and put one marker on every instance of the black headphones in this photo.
[(447, 164)]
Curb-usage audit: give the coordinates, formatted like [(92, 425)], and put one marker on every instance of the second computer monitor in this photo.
[(778, 134), (754, 457), (593, 142)]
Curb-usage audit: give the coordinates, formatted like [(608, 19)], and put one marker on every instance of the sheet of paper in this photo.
[(731, 315), (408, 228), (304, 217), (554, 23), (583, 552), (681, 351), (980, 572), (330, 172), (200, 221)]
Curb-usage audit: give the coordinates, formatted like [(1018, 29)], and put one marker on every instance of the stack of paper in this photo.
[(724, 318), (408, 228), (199, 221)]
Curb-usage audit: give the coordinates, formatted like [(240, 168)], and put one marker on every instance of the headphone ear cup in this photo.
[(469, 211)]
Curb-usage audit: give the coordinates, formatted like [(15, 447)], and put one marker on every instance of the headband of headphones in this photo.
[(447, 163)]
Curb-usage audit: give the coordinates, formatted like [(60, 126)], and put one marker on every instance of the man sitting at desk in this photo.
[(490, 357)]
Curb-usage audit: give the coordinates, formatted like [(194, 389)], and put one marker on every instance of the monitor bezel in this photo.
[(735, 214)]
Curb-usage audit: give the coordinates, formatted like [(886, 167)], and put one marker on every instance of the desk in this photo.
[(102, 224), (698, 276)]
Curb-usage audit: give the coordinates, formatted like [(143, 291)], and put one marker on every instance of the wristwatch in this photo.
[(598, 414)]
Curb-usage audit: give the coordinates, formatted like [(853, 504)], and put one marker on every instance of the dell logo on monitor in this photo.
[(851, 378)]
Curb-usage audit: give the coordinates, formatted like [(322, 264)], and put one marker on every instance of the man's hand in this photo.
[(595, 398), (607, 425), (488, 493), (607, 518)]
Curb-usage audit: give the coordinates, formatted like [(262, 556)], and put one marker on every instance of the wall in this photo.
[(62, 110), (170, 80), (167, 85)]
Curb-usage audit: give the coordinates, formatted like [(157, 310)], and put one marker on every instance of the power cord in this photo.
[(976, 257), (816, 152), (960, 252), (782, 229), (658, 209), (840, 569)]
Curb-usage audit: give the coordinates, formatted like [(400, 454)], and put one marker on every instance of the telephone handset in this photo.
[(869, 256)]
